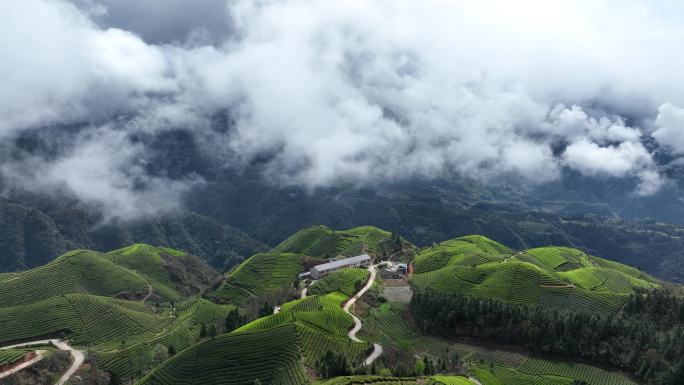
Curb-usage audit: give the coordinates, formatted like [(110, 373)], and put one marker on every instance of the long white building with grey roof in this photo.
[(320, 271)]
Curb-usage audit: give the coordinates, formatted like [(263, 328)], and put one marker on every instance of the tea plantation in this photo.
[(144, 312), (345, 281), (257, 276), (271, 355), (551, 277), (322, 242)]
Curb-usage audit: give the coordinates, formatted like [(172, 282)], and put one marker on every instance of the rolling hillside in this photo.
[(323, 242), (551, 277), (131, 273), (271, 356), (345, 281), (155, 315), (271, 349), (259, 275)]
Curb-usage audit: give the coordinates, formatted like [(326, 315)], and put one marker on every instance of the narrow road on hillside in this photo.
[(40, 354), (304, 292), (150, 290), (377, 349), (77, 355)]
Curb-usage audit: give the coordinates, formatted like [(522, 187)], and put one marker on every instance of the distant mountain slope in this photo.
[(551, 277), (35, 230)]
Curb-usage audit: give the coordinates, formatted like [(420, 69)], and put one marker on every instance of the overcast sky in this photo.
[(344, 90)]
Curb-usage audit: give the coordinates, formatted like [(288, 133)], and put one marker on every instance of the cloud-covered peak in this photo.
[(359, 92)]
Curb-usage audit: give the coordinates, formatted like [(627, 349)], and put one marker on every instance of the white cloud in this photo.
[(358, 91), (616, 161), (669, 131)]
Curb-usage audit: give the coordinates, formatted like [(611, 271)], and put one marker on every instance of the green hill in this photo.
[(127, 273), (323, 242), (271, 356), (374, 380), (345, 281), (552, 277), (321, 323), (86, 319), (171, 273), (257, 276), (271, 349)]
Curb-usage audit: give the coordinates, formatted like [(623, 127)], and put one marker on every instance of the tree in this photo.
[(212, 331), (420, 367), (203, 330), (332, 364), (172, 350), (234, 320), (114, 379), (265, 310)]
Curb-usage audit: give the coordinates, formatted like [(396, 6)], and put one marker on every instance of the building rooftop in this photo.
[(342, 262)]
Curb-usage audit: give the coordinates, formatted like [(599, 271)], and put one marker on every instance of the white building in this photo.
[(321, 271)]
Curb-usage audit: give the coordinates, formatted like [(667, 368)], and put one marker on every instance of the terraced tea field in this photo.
[(9, 356), (448, 380), (369, 380), (257, 276), (590, 374), (179, 332), (272, 356), (76, 272), (88, 320), (551, 277), (322, 242), (344, 281)]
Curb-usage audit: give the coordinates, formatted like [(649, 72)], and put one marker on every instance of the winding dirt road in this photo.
[(40, 354), (150, 290), (377, 349), (77, 355)]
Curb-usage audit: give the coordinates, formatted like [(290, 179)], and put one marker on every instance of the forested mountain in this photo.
[(228, 221)]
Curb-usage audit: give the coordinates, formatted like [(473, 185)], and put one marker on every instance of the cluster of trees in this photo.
[(646, 338), (393, 362), (333, 364)]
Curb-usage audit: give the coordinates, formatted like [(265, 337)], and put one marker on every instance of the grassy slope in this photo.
[(180, 331), (75, 272), (87, 319), (344, 281), (257, 276), (363, 380), (269, 348), (125, 271), (72, 296), (321, 324), (270, 355), (322, 242), (173, 274), (10, 355), (553, 277)]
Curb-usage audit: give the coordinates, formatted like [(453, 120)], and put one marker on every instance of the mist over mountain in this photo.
[(128, 114), (298, 192), (355, 94)]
